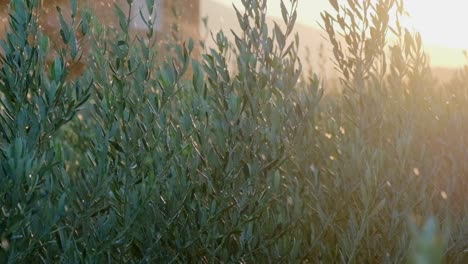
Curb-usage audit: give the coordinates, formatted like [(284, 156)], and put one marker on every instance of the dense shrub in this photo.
[(150, 157)]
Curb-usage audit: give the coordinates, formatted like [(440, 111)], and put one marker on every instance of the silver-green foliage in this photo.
[(36, 101), (151, 157), (156, 167)]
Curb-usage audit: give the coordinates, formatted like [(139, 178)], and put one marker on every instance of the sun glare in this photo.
[(440, 23)]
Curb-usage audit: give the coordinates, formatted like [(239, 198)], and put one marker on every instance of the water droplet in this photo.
[(342, 130), (444, 195), (5, 244)]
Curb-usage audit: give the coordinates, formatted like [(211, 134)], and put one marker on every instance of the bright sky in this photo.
[(442, 24)]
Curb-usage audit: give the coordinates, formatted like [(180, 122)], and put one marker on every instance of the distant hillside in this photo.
[(444, 74), (222, 17)]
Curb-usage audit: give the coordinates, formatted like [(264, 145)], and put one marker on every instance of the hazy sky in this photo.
[(442, 23)]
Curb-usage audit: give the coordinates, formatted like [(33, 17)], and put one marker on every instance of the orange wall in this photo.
[(187, 19)]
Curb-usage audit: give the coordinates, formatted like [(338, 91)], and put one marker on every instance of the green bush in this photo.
[(150, 157)]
